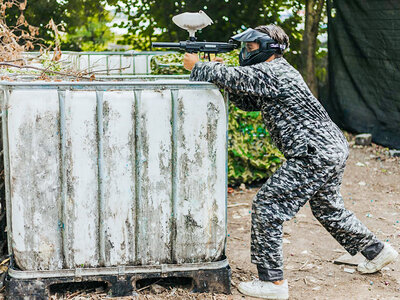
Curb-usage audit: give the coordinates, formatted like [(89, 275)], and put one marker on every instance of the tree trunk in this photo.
[(313, 15)]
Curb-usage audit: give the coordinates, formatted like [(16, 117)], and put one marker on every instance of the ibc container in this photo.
[(105, 62), (122, 178), (114, 63)]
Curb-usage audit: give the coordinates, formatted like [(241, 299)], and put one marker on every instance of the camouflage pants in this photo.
[(300, 180)]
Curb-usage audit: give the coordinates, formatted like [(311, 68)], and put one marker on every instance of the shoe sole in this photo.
[(389, 260), (271, 296)]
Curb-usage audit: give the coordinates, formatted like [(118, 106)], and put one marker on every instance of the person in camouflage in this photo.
[(315, 150)]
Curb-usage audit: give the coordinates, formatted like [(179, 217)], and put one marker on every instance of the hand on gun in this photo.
[(190, 59)]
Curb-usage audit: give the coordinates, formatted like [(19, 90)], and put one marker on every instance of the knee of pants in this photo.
[(267, 213), (328, 215), (317, 210)]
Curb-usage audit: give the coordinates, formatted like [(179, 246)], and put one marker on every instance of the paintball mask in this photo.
[(268, 47)]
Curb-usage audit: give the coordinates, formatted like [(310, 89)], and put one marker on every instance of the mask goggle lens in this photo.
[(245, 53)]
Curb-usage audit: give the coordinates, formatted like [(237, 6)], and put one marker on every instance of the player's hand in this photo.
[(189, 60), (218, 59), (213, 58)]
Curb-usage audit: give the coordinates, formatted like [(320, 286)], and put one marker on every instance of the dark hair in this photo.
[(275, 32)]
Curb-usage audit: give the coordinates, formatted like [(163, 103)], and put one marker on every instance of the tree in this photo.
[(37, 13), (84, 21), (150, 20), (313, 14), (153, 19), (86, 25)]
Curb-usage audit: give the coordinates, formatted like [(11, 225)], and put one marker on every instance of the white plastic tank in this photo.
[(113, 63), (103, 63), (106, 174)]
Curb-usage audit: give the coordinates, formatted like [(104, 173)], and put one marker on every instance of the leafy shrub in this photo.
[(169, 64), (251, 155)]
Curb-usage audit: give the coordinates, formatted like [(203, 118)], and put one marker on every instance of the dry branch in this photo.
[(16, 40), (86, 72), (23, 37), (44, 70)]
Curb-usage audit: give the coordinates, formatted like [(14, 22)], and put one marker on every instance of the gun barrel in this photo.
[(165, 45), (194, 46)]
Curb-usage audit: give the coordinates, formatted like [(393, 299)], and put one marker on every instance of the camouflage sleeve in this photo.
[(244, 84), (247, 103)]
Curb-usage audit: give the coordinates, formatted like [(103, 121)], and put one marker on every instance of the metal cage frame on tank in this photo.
[(187, 198)]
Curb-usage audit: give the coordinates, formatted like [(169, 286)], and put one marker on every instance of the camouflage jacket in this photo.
[(292, 115)]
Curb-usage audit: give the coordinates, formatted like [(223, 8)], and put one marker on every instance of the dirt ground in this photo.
[(371, 188)]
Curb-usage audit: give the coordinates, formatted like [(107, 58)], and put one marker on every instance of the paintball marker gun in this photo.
[(193, 22)]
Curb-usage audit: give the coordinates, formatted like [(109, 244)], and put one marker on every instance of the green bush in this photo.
[(251, 155), (169, 64)]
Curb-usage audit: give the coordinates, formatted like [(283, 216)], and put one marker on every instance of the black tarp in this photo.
[(364, 68)]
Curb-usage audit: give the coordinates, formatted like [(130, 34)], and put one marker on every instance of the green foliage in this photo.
[(91, 36), (44, 62), (169, 64), (85, 23), (321, 67), (251, 155), (153, 19), (136, 41), (47, 62), (38, 13)]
